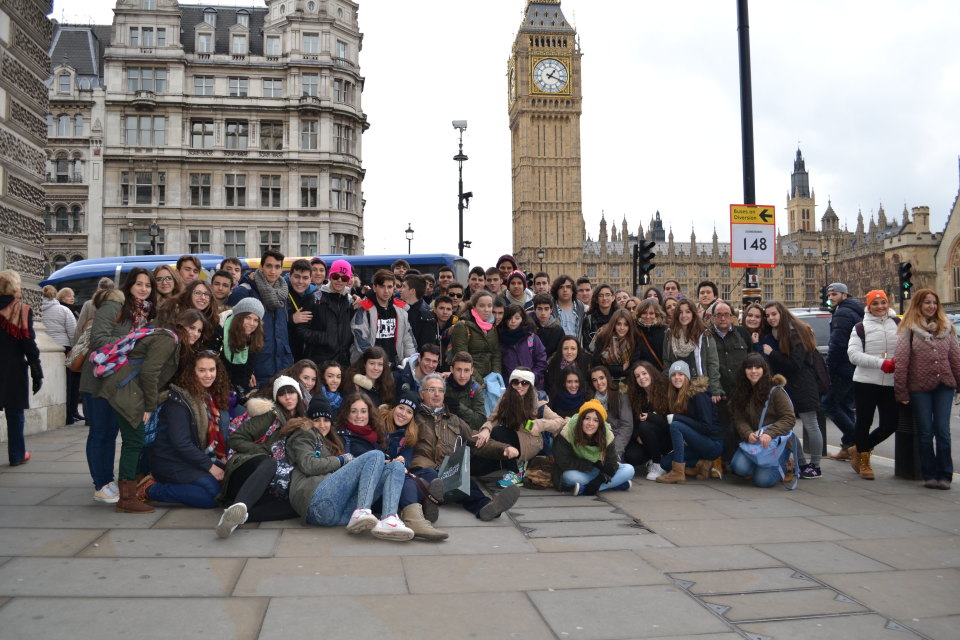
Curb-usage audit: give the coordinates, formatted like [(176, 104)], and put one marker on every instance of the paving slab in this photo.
[(101, 516), (484, 541), (50, 467), (947, 521), (670, 510), (742, 580), (894, 486), (910, 553), (321, 576), (119, 577), (46, 542), (866, 627), (624, 612), (81, 456), (98, 618), (284, 524), (832, 489), (763, 508), (469, 574), (559, 500), (848, 506), (576, 529), (565, 514), (707, 558), (918, 504), (700, 533), (454, 515), (45, 446), (405, 617), (48, 456), (26, 496), (924, 593), (874, 527), (335, 542), (822, 557), (653, 491), (642, 540), (187, 543), (73, 497), (188, 518), (783, 604), (745, 490), (26, 479), (943, 628), (707, 636)]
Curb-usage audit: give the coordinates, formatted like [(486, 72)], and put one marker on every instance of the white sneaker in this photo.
[(362, 520), (114, 489), (654, 470), (233, 516), (103, 494), (392, 528)]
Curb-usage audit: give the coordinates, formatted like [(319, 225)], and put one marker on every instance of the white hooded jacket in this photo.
[(878, 344)]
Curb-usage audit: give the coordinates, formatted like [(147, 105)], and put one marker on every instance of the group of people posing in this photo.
[(275, 397)]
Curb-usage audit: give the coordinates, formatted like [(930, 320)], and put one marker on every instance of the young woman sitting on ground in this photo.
[(606, 391), (331, 490), (647, 390), (585, 456), (521, 420), (568, 354), (567, 400), (360, 425), (695, 427), (329, 383), (756, 389), (367, 376)]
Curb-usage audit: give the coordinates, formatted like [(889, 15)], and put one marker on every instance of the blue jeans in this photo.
[(624, 473), (199, 494), (690, 446), (16, 446), (763, 477), (931, 411), (101, 439), (838, 406), (356, 486)]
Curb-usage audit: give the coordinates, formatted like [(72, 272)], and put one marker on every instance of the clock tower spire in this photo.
[(544, 102)]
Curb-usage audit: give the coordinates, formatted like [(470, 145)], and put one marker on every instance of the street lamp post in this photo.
[(825, 254), (409, 233), (540, 254), (463, 200)]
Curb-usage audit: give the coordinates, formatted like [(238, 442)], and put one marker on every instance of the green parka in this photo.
[(312, 464), (104, 330), (160, 353), (703, 361), (470, 410), (485, 349), (243, 441)]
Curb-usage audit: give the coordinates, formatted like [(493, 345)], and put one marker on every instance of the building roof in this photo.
[(83, 46), (545, 16), (192, 15)]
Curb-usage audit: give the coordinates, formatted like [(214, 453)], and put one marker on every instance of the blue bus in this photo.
[(83, 276)]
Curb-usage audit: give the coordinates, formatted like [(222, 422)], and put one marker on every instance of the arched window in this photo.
[(78, 125), (62, 221), (76, 258), (78, 170), (63, 125), (77, 227), (59, 263)]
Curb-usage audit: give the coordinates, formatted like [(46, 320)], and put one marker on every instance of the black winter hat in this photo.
[(319, 408), (410, 399)]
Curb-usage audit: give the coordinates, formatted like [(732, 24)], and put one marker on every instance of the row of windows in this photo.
[(271, 134), (62, 221), (138, 242), (238, 43), (788, 272), (138, 188), (64, 125), (238, 87), (144, 37), (63, 171)]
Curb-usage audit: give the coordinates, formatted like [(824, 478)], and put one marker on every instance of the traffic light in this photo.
[(904, 274), (824, 297), (644, 259)]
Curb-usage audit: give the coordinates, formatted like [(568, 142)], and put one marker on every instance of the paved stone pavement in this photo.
[(716, 560)]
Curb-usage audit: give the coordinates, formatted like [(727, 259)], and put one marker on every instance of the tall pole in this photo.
[(460, 159), (746, 104)]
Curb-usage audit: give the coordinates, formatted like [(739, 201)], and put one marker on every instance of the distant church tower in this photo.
[(802, 201), (544, 104)]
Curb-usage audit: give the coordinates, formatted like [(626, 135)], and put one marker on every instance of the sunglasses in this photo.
[(519, 383), (456, 295), (336, 277)]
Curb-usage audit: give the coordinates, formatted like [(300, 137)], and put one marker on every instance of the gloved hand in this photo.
[(888, 366), (345, 458), (36, 373), (594, 486)]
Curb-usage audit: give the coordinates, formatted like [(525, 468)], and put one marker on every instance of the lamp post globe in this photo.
[(409, 234)]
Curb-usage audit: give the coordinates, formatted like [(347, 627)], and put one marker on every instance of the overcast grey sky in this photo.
[(869, 88)]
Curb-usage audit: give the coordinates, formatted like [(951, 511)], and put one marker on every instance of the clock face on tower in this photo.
[(550, 75)]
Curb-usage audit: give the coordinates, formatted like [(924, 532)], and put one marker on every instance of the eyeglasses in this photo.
[(201, 294), (722, 315), (337, 277), (605, 295), (519, 383), (456, 295), (165, 279), (434, 391)]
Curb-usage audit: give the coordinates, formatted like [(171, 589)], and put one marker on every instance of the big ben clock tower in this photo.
[(544, 103)]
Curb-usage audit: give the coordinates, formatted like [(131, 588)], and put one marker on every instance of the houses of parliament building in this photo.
[(544, 96)]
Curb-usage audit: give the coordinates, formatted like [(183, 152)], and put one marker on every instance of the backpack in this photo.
[(80, 350), (863, 335), (821, 372), (110, 358)]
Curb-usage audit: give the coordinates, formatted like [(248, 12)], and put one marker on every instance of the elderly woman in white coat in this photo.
[(870, 350)]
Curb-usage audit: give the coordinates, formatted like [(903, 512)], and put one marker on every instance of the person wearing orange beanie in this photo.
[(585, 455)]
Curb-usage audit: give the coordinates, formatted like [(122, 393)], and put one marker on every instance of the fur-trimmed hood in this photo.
[(362, 381), (259, 406), (115, 296), (699, 384), (779, 380)]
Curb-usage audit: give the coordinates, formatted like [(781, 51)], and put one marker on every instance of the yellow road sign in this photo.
[(750, 214)]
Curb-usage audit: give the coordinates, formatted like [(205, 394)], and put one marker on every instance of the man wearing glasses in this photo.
[(733, 345), (455, 293), (328, 334)]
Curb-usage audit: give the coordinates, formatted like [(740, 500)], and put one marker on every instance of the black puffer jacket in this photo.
[(798, 371), (177, 455), (329, 335)]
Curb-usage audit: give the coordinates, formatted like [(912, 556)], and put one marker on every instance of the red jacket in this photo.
[(924, 361)]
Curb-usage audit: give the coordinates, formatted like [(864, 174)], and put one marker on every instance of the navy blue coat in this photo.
[(176, 456), (848, 313), (702, 415), (276, 354)]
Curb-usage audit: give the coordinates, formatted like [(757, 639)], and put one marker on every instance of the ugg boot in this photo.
[(704, 467), (854, 459), (412, 516), (865, 470), (129, 502), (677, 474)]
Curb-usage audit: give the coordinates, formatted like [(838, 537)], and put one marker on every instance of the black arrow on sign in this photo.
[(765, 216)]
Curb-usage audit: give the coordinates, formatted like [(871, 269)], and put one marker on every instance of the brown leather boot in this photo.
[(412, 516), (843, 454), (677, 475), (718, 468), (703, 469), (129, 502), (854, 459), (866, 471)]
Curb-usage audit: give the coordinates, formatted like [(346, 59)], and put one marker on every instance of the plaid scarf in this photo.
[(216, 448), (617, 352), (141, 313)]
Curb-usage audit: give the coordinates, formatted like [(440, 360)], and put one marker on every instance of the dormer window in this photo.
[(210, 16), (273, 45), (65, 83), (243, 19), (239, 45), (205, 43)]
